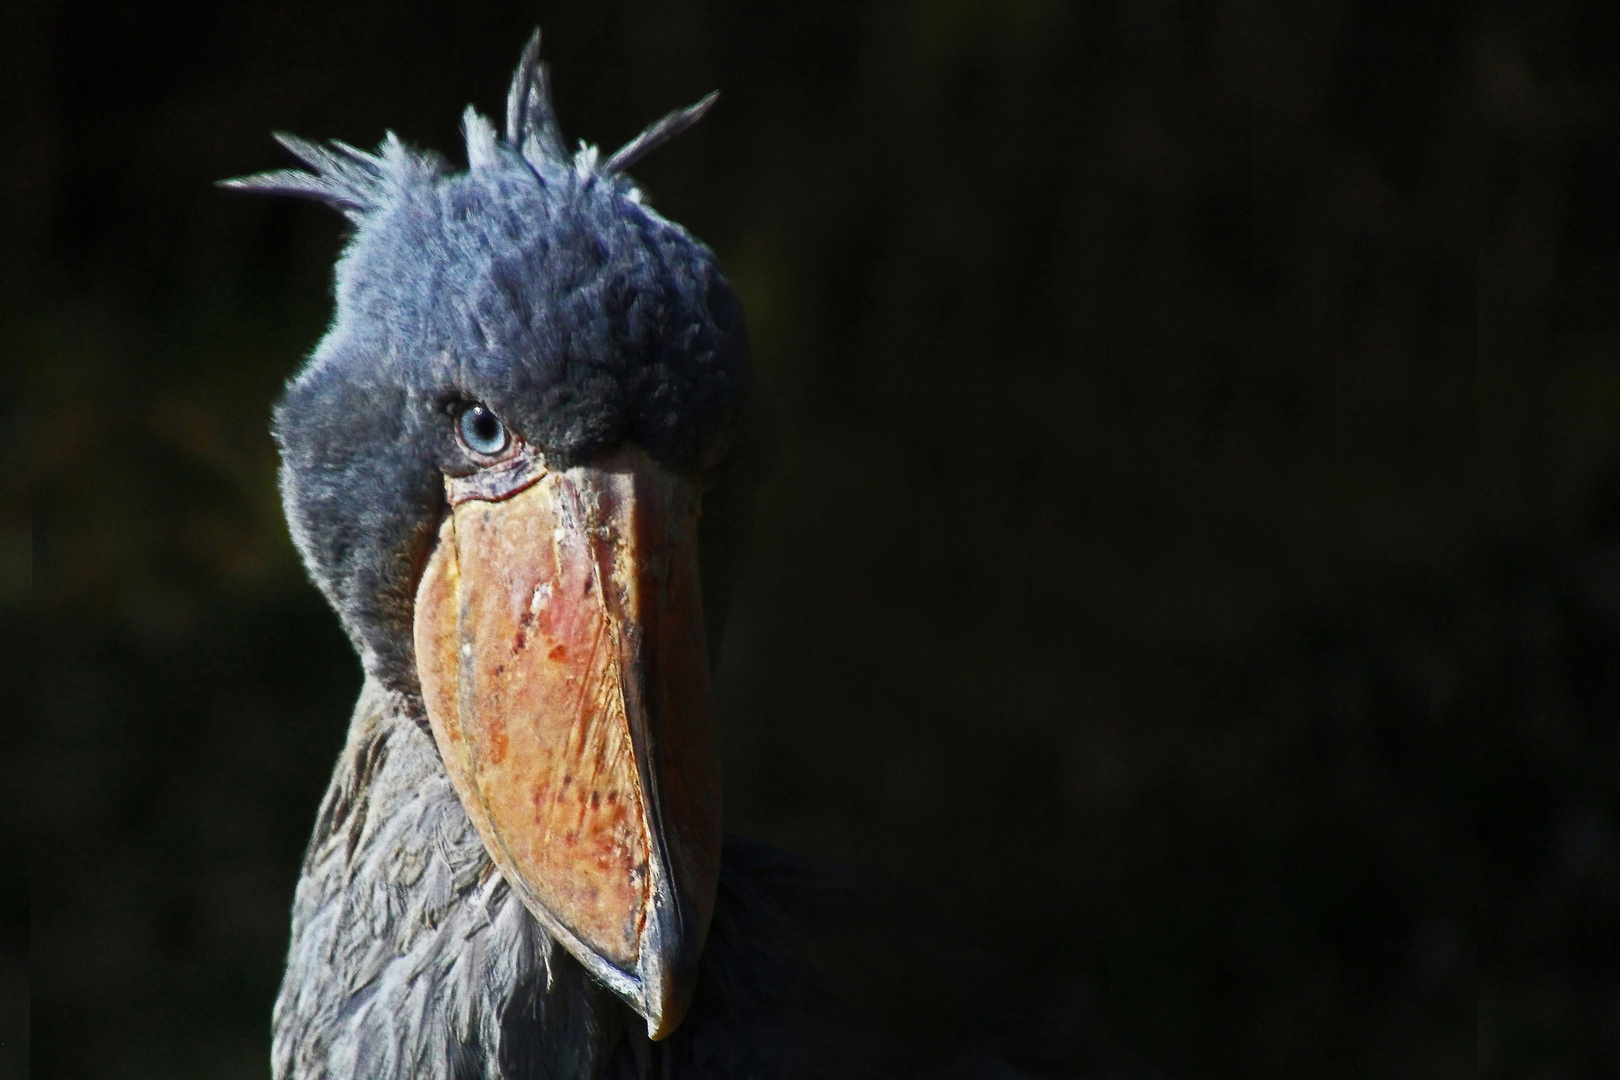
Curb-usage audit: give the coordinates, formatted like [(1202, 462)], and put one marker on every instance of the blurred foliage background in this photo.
[(1190, 573)]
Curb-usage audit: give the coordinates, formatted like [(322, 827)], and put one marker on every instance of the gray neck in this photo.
[(410, 957)]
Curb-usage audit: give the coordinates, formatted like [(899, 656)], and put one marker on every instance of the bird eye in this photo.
[(482, 431)]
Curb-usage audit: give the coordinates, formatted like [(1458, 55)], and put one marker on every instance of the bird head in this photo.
[(504, 466)]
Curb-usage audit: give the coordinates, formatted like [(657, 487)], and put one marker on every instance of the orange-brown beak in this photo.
[(560, 645)]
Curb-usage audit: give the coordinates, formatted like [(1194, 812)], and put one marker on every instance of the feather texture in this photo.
[(343, 177), (410, 956), (531, 119), (358, 183), (657, 134)]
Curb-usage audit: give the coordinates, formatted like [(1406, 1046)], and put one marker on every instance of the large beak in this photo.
[(560, 645)]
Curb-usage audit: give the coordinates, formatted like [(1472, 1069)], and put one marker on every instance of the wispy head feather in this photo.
[(357, 182), (658, 134), (531, 121), (343, 176)]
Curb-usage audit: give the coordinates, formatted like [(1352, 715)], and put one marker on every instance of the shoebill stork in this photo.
[(515, 466)]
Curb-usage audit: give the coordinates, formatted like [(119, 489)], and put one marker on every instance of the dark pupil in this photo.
[(482, 430)]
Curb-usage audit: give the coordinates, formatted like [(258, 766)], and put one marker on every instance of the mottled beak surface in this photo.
[(560, 645)]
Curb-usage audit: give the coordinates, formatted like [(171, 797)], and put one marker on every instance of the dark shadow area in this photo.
[(1190, 574)]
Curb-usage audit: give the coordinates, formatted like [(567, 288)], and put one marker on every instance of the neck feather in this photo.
[(410, 956)]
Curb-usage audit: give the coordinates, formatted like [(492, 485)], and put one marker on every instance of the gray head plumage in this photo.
[(537, 283)]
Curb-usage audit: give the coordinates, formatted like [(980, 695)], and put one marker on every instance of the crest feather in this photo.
[(344, 176), (657, 134), (481, 153), (531, 122), (357, 182)]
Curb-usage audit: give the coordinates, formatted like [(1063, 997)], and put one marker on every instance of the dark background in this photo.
[(1190, 574)]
